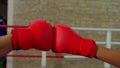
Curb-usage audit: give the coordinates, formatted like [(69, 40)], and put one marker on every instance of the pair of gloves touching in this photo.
[(41, 35)]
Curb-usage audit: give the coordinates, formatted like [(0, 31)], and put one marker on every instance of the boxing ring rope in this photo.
[(12, 26)]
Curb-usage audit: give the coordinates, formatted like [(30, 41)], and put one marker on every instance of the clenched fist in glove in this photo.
[(38, 35), (67, 41)]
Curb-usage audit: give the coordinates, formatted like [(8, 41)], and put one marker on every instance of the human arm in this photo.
[(5, 44), (108, 55)]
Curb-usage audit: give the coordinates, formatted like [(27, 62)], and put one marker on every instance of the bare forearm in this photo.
[(108, 55), (5, 44)]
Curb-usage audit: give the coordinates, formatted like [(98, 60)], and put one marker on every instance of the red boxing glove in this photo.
[(38, 35), (42, 33), (22, 38), (67, 41)]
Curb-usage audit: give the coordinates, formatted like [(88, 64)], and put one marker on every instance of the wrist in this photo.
[(88, 47)]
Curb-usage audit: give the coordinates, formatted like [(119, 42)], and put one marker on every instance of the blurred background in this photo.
[(74, 13)]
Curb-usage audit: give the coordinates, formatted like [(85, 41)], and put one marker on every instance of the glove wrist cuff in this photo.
[(87, 47), (22, 39)]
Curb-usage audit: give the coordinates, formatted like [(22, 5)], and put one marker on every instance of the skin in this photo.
[(102, 53), (108, 55), (5, 45)]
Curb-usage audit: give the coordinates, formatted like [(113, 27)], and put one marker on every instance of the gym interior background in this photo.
[(74, 13), (3, 31)]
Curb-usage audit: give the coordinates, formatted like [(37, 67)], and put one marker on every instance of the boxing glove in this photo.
[(67, 41), (38, 35)]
